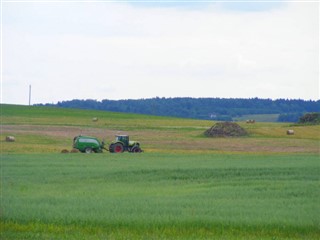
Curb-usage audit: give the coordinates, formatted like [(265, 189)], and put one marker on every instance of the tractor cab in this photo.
[(123, 138)]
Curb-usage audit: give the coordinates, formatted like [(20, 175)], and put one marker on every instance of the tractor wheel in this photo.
[(88, 150), (118, 148), (136, 150)]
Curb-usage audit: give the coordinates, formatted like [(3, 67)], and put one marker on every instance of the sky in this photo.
[(116, 50)]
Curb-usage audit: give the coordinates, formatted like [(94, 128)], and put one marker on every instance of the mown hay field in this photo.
[(43, 130), (184, 186)]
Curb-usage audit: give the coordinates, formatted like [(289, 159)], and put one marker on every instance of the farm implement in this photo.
[(87, 144)]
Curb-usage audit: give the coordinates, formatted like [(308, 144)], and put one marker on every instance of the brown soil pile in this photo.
[(74, 150), (225, 129)]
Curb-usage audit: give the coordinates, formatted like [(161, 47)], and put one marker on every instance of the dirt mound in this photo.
[(74, 150), (225, 129)]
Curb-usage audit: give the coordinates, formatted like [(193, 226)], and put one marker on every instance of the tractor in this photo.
[(87, 144), (122, 144)]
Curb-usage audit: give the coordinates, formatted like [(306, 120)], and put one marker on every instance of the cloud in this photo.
[(119, 51)]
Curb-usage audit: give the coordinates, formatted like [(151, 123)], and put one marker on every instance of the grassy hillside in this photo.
[(37, 115), (45, 129), (258, 117)]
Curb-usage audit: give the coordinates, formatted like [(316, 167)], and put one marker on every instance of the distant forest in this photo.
[(223, 109)]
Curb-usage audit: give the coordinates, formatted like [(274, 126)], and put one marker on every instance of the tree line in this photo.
[(224, 109)]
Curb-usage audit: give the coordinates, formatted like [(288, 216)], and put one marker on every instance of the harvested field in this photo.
[(54, 138), (56, 131), (50, 130)]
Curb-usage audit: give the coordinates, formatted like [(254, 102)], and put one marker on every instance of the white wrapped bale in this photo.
[(10, 139), (290, 132)]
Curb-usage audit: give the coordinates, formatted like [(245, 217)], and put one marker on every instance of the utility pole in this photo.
[(29, 95)]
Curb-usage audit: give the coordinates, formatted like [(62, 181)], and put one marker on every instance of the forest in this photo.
[(223, 109)]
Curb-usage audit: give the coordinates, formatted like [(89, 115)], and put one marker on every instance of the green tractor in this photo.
[(122, 144)]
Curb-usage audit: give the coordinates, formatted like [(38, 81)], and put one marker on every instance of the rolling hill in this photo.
[(48, 129)]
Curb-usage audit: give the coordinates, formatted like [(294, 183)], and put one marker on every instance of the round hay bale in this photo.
[(251, 121), (10, 139), (290, 132), (64, 151), (225, 129), (74, 150)]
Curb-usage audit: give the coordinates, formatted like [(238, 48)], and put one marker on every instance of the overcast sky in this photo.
[(109, 50)]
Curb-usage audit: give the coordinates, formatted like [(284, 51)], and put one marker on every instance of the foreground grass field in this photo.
[(160, 196), (185, 186)]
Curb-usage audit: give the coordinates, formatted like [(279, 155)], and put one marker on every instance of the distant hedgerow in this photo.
[(310, 118)]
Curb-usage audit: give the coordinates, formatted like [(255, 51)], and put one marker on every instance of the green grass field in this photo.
[(134, 196), (258, 117), (185, 186)]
